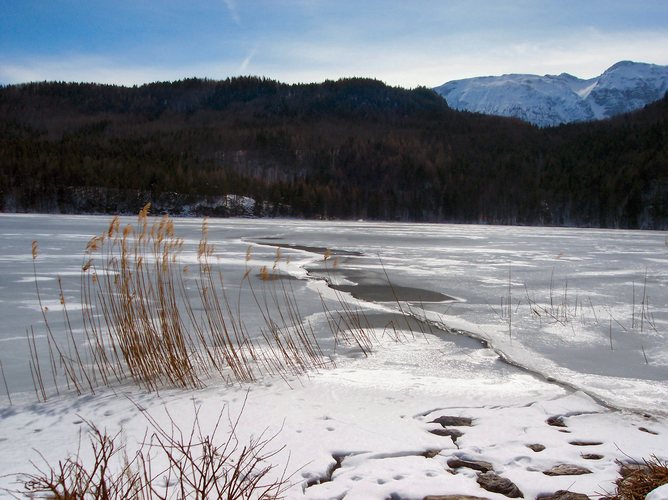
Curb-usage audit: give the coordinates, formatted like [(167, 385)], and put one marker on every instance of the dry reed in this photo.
[(151, 320), (638, 480)]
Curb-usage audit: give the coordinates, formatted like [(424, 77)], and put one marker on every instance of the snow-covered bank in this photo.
[(374, 415)]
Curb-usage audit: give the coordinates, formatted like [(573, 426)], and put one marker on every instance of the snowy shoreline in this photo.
[(375, 421)]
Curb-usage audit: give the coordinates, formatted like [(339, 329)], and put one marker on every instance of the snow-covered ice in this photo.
[(566, 323)]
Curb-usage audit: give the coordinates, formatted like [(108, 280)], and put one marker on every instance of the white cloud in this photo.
[(246, 62), (233, 10), (435, 61), (408, 62), (83, 68)]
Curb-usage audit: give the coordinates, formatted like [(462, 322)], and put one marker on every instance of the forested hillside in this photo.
[(353, 148)]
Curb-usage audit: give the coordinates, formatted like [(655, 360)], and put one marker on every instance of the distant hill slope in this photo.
[(555, 99), (353, 148)]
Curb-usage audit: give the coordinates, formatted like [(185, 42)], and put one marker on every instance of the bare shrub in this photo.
[(169, 464)]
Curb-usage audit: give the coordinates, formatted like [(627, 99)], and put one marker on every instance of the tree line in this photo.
[(353, 148)]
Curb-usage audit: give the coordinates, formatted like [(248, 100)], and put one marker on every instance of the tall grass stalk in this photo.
[(150, 320), (510, 302), (4, 379)]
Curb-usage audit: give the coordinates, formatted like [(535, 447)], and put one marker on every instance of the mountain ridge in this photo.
[(552, 100)]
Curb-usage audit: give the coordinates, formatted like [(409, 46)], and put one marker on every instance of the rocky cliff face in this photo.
[(555, 99)]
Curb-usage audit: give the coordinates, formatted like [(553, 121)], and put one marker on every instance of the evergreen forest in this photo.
[(347, 149)]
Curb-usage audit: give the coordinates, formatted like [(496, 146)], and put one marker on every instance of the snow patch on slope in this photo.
[(555, 99)]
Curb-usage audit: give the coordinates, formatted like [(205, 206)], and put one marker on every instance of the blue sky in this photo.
[(402, 42)]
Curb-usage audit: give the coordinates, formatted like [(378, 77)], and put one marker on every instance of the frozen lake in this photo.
[(510, 328), (586, 307)]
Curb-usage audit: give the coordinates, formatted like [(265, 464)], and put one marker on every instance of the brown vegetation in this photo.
[(150, 319), (169, 464), (638, 481)]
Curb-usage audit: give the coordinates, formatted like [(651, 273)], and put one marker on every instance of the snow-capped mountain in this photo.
[(554, 99)]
